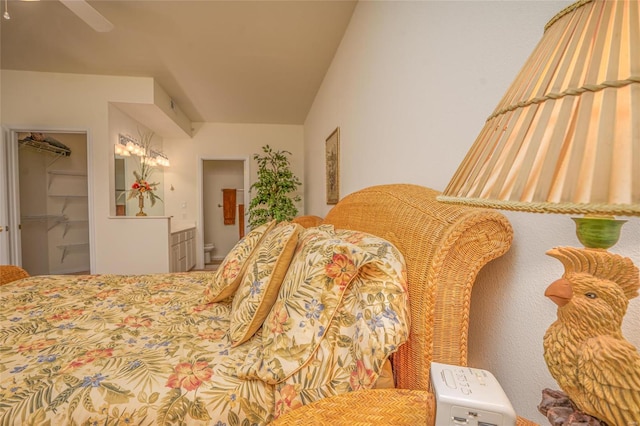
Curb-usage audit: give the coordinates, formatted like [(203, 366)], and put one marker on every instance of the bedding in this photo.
[(155, 349), (341, 311), (229, 274), (116, 350)]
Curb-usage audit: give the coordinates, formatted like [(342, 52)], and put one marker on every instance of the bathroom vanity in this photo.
[(183, 247)]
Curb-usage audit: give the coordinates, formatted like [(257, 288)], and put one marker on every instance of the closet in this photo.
[(54, 225)]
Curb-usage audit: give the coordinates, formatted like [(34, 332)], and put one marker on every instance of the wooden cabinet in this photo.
[(183, 250)]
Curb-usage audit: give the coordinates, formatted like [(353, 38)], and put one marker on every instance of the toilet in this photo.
[(208, 248)]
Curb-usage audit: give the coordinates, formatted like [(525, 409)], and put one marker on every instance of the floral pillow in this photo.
[(259, 287), (227, 277), (366, 329), (311, 296)]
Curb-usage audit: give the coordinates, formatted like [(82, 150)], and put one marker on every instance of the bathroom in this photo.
[(224, 222)]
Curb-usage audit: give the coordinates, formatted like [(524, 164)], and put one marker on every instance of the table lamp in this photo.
[(565, 138)]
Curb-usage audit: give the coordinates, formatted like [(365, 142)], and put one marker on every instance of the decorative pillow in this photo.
[(341, 311), (320, 271), (264, 274), (227, 277), (370, 324)]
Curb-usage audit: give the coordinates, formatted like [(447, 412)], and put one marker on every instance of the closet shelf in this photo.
[(72, 173), (43, 217), (66, 247), (43, 146), (67, 172), (67, 223), (67, 199)]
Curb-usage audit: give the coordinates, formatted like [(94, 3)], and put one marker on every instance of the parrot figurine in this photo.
[(584, 348)]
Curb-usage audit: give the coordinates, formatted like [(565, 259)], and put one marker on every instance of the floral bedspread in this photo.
[(115, 350), (147, 350)]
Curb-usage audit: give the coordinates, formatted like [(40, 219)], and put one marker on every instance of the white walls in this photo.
[(4, 208), (410, 88), (222, 141), (71, 102), (137, 245), (218, 141), (82, 103), (121, 123)]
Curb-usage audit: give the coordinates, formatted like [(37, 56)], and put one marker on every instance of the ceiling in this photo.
[(220, 61)]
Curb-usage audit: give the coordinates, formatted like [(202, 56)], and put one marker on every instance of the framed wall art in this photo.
[(333, 166)]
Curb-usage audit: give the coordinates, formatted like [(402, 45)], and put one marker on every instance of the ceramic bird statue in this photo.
[(584, 348)]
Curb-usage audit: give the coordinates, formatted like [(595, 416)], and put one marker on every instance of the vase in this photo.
[(141, 205)]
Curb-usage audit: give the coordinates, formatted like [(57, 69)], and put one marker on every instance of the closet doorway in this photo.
[(50, 198), (225, 199)]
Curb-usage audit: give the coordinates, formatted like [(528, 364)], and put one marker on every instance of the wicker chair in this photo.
[(10, 273), (444, 247)]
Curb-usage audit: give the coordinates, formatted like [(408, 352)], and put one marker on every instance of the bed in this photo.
[(150, 349), (173, 349)]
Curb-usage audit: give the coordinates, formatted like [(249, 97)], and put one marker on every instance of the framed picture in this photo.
[(333, 166)]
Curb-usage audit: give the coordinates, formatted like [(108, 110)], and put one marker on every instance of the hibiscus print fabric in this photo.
[(145, 349), (341, 311), (112, 350), (227, 278), (259, 288)]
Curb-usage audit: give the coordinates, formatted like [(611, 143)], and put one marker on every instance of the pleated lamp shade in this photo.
[(566, 136)]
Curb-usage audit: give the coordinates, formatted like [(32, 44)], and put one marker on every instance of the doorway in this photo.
[(220, 232), (50, 214)]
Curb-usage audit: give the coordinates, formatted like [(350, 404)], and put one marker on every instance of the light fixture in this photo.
[(160, 159), (127, 145), (121, 150), (6, 15), (565, 138)]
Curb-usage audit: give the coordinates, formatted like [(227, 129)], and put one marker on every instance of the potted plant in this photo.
[(273, 197)]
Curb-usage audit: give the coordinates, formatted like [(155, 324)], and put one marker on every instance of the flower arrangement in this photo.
[(142, 186)]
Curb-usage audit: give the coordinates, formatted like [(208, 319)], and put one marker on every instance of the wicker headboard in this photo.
[(444, 247)]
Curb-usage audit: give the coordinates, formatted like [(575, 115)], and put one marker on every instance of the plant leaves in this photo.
[(198, 411), (233, 419), (272, 199), (114, 394), (173, 408)]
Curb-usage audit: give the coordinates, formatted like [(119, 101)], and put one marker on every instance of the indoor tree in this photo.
[(276, 182)]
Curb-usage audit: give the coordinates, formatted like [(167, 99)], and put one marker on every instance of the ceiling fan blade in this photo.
[(88, 14)]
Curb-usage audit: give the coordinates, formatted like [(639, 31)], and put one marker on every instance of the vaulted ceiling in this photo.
[(220, 61)]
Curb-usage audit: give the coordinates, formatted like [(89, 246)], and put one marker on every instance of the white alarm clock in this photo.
[(468, 396)]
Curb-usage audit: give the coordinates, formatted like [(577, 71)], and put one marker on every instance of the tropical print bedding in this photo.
[(118, 350), (152, 349)]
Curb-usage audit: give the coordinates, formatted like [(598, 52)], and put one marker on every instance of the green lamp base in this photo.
[(598, 231)]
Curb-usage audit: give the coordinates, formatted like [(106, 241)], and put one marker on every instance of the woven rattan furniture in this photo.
[(391, 407), (10, 273), (444, 247), (308, 221)]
